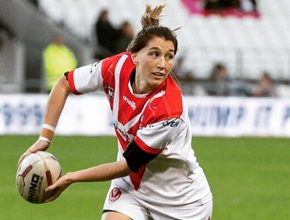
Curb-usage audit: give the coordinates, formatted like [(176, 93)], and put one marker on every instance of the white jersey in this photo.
[(158, 123)]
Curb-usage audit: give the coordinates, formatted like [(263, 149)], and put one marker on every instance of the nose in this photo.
[(161, 63)]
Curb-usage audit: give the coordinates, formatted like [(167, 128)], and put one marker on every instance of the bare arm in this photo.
[(102, 172), (56, 102)]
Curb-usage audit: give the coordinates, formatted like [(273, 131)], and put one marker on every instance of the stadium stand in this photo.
[(20, 56), (247, 45)]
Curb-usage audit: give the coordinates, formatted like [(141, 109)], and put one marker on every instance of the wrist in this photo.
[(47, 133), (41, 138), (70, 177)]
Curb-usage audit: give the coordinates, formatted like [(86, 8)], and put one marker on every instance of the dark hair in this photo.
[(102, 15), (151, 29)]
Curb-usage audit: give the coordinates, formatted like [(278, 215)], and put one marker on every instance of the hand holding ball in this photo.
[(35, 173)]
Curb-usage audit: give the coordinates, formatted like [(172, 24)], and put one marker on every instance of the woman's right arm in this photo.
[(55, 104)]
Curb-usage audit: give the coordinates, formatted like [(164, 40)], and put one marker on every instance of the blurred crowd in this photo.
[(221, 84), (110, 39), (223, 7)]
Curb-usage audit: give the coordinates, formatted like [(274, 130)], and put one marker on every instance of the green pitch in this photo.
[(249, 177)]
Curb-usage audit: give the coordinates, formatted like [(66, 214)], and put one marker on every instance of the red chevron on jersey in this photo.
[(135, 116)]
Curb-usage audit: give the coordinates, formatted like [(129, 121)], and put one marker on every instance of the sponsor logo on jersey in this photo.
[(172, 123), (114, 195), (129, 102)]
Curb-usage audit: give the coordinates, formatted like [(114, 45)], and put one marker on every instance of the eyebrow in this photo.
[(157, 48)]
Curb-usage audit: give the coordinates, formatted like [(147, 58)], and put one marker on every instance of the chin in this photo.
[(156, 83)]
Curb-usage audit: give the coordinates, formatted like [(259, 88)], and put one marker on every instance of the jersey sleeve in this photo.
[(155, 137), (86, 79)]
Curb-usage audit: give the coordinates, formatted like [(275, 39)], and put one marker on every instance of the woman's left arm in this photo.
[(99, 173)]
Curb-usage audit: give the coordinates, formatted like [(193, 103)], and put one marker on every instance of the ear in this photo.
[(134, 58)]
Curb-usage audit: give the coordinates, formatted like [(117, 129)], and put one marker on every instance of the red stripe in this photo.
[(146, 148), (137, 177), (48, 177), (72, 83), (26, 171)]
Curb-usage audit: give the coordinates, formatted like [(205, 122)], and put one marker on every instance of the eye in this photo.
[(153, 54), (169, 56)]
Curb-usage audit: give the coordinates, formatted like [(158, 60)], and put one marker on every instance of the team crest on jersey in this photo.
[(109, 91), (114, 194)]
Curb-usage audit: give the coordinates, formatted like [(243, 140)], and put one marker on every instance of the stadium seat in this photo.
[(246, 45)]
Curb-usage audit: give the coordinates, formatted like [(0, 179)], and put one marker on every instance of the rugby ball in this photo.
[(36, 172)]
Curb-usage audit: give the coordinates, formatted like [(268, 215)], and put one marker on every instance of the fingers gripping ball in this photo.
[(35, 173)]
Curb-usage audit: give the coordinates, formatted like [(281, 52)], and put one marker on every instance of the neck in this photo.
[(140, 87)]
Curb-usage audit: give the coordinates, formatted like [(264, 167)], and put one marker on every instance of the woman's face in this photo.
[(153, 64)]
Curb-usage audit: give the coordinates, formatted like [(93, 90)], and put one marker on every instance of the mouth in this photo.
[(158, 74)]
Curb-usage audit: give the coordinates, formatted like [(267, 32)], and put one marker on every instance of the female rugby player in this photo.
[(156, 175)]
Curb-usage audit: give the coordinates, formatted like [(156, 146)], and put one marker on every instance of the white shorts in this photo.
[(121, 201)]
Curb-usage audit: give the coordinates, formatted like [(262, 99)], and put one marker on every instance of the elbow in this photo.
[(125, 170), (62, 86)]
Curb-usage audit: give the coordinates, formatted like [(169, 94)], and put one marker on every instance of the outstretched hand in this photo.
[(55, 190)]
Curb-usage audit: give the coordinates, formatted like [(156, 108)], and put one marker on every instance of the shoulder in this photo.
[(110, 63), (171, 102), (167, 105)]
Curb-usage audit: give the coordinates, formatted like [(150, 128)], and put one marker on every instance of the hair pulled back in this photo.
[(151, 29)]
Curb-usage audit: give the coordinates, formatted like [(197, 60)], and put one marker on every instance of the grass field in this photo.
[(249, 177)]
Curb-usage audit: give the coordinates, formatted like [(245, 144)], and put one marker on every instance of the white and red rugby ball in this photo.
[(36, 172)]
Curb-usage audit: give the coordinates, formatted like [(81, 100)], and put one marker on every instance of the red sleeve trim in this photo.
[(71, 82), (145, 148)]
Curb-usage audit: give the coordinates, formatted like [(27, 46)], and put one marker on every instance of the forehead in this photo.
[(160, 43)]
